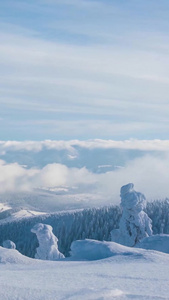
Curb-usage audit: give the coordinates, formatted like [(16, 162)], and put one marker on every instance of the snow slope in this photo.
[(12, 256), (4, 207), (21, 214), (121, 276)]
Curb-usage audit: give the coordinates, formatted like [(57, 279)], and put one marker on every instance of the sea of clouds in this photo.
[(148, 170)]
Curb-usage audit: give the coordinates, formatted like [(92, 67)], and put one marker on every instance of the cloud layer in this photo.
[(149, 174), (37, 146)]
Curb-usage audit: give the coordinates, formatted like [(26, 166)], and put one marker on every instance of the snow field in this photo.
[(128, 274)]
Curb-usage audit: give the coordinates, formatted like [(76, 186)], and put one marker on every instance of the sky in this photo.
[(84, 84), (84, 69)]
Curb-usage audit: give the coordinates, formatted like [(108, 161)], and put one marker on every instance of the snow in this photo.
[(21, 214), (122, 276), (12, 256), (48, 247), (159, 242), (9, 244), (95, 250), (135, 223), (4, 207)]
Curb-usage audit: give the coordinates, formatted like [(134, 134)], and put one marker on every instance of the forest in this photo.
[(95, 223)]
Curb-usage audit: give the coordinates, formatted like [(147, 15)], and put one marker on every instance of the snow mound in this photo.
[(12, 256), (159, 242), (94, 250), (9, 244)]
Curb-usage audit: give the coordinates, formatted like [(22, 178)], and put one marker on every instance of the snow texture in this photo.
[(9, 244), (135, 223), (12, 256), (129, 274), (48, 247)]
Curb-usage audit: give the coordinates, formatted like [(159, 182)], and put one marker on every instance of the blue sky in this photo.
[(84, 69)]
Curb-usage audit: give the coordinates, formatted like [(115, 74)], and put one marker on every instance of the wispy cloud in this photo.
[(132, 144), (112, 66)]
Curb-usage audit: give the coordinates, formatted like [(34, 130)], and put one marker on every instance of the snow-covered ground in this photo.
[(128, 274), (21, 214), (159, 242), (4, 207)]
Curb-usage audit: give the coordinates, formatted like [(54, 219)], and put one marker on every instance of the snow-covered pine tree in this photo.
[(135, 223), (48, 246)]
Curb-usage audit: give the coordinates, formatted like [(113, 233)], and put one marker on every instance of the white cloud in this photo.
[(16, 178), (110, 91), (37, 146), (42, 69), (149, 174)]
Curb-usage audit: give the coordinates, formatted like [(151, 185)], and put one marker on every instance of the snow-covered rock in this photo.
[(48, 247), (135, 223), (9, 244)]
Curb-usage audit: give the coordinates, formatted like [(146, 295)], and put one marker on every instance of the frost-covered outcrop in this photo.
[(48, 247), (135, 223), (9, 244)]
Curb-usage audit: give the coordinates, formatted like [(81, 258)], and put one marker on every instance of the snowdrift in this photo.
[(12, 256), (149, 249), (159, 242), (94, 250), (121, 276)]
